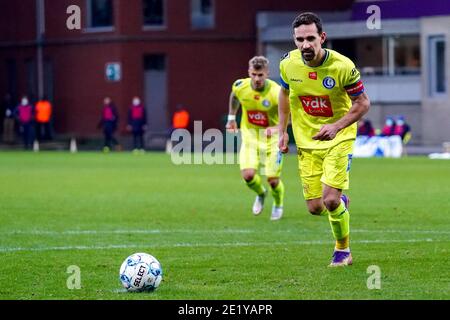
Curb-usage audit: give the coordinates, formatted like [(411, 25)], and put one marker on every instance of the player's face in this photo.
[(309, 41), (258, 77)]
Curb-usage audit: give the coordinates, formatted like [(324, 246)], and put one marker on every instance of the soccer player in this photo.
[(323, 91), (258, 97)]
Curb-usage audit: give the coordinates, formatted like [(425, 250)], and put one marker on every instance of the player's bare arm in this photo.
[(360, 106), (233, 108), (283, 115)]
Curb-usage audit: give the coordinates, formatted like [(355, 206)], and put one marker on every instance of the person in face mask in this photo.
[(109, 121), (137, 124), (388, 129), (402, 129), (25, 116)]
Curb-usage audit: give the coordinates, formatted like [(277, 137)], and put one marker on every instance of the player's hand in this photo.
[(270, 131), (327, 132), (231, 126), (283, 143)]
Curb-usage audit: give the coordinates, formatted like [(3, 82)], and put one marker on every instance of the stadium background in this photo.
[(174, 52), (92, 210)]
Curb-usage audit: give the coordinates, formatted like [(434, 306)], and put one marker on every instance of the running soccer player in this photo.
[(258, 97), (323, 91)]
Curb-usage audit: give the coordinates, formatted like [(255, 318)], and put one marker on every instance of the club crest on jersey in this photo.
[(329, 82), (266, 103)]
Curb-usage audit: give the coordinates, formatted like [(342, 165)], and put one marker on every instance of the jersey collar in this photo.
[(266, 87)]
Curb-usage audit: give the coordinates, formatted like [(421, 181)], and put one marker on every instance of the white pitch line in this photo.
[(125, 231), (401, 231), (193, 231), (200, 245)]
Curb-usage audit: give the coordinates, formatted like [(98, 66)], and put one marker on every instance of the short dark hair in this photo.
[(258, 62), (308, 18)]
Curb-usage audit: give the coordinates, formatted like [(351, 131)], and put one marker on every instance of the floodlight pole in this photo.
[(40, 31)]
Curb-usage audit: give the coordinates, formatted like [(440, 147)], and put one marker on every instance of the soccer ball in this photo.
[(141, 272)]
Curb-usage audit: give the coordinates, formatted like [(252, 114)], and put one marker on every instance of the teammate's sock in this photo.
[(343, 245), (324, 212), (256, 185), (278, 194), (340, 225)]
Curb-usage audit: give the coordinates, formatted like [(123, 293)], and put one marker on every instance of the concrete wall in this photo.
[(435, 110)]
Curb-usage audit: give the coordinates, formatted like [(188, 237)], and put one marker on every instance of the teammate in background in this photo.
[(323, 91), (257, 95)]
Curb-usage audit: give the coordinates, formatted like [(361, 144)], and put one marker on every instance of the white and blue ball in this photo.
[(141, 272)]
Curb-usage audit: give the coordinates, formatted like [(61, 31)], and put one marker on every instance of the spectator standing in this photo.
[(137, 124), (402, 129), (388, 128), (108, 123), (44, 110), (365, 128), (180, 119), (25, 116)]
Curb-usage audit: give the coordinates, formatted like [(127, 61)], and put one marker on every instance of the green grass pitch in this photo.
[(92, 210)]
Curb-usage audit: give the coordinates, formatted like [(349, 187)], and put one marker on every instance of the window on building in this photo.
[(153, 11), (407, 55), (399, 55), (202, 14), (366, 53), (437, 79), (100, 14)]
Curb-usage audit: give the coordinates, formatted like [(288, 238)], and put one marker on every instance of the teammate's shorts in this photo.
[(328, 166), (261, 153)]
